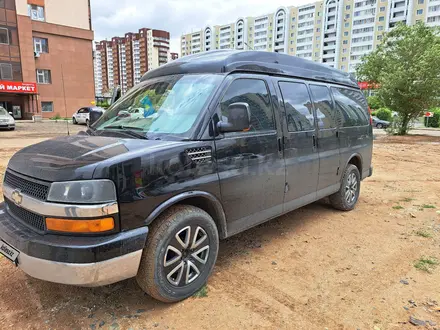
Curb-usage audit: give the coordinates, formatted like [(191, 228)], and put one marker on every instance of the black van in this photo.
[(202, 149)]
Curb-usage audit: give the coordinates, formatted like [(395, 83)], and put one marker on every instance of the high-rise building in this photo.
[(46, 61), (123, 61), (335, 32)]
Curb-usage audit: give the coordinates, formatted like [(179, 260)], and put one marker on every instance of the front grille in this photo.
[(30, 188), (34, 220)]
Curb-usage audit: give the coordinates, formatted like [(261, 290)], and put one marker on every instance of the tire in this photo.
[(87, 122), (12, 129), (379, 126), (347, 196), (169, 234), (74, 121)]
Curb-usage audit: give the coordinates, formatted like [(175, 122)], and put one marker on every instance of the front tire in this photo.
[(87, 122), (74, 121), (347, 196), (180, 254), (379, 126)]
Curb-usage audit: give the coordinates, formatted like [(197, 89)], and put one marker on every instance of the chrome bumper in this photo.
[(89, 275)]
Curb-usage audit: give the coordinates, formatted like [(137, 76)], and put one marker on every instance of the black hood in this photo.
[(76, 157)]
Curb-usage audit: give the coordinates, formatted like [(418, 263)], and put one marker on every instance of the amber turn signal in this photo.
[(80, 226)]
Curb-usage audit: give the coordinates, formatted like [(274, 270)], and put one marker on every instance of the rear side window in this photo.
[(253, 92), (299, 113), (326, 115), (352, 106)]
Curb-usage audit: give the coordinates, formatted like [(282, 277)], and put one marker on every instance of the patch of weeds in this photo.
[(202, 293), (397, 207), (426, 264), (428, 206), (423, 233), (407, 200)]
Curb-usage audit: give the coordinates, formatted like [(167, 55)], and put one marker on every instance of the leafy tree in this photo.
[(375, 102), (406, 68), (384, 114)]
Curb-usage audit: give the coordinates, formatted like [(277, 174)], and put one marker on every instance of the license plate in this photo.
[(8, 251)]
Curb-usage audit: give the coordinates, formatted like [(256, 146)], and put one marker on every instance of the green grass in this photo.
[(426, 264), (428, 206), (202, 293), (423, 233), (397, 207), (407, 200)]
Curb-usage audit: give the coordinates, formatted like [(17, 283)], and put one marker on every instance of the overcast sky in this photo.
[(116, 17)]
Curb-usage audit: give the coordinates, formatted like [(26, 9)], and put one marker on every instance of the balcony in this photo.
[(329, 47), (329, 56)]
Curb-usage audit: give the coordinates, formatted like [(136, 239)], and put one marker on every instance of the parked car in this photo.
[(82, 116), (378, 123), (236, 139), (6, 119)]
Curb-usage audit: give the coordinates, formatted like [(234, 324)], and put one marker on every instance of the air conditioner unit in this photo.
[(36, 54)]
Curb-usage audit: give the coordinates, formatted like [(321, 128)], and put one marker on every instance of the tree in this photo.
[(374, 102), (406, 69)]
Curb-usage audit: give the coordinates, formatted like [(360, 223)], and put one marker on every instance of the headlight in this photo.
[(84, 192), (11, 120)]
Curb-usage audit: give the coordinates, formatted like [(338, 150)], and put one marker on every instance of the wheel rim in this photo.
[(351, 188), (379, 125), (186, 256)]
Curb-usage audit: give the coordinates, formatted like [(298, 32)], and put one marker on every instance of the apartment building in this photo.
[(123, 60), (335, 32), (39, 46)]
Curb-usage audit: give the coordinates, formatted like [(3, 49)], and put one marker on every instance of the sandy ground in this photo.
[(314, 268)]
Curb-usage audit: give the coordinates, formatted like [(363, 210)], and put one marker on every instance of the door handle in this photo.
[(337, 134), (280, 146), (314, 141)]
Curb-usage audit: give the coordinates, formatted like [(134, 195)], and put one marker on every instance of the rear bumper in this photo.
[(84, 261)]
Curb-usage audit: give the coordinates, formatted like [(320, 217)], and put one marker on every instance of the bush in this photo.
[(56, 117), (433, 121), (384, 114), (374, 113), (374, 102)]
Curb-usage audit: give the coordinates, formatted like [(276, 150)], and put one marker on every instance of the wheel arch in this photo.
[(356, 160), (201, 199)]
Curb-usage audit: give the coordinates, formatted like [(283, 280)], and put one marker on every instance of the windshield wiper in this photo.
[(129, 131)]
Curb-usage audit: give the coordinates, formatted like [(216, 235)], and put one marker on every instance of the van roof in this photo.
[(225, 61)]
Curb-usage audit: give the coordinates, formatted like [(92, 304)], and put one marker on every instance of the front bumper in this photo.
[(84, 261), (7, 125)]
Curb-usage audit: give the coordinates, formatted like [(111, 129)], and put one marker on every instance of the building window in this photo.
[(316, 54), (6, 71), (41, 45), (4, 36), (345, 42), (382, 9), (381, 18), (344, 59), (347, 24), (421, 2), (344, 50), (319, 21), (36, 12), (46, 106), (318, 29), (318, 38), (347, 7), (342, 67), (44, 76), (380, 28), (379, 37), (420, 12), (293, 19), (347, 15), (292, 42), (291, 50), (292, 34), (345, 33)]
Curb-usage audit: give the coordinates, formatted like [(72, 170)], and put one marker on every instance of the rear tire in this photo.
[(87, 122), (74, 121), (347, 196), (180, 254)]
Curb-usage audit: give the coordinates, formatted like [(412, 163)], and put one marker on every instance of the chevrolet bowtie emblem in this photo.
[(17, 197)]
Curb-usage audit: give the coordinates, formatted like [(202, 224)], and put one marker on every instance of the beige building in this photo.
[(335, 32), (39, 45)]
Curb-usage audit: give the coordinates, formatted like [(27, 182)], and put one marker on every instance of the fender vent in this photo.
[(200, 155)]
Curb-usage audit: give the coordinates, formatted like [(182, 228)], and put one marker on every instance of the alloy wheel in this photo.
[(186, 256), (351, 188)]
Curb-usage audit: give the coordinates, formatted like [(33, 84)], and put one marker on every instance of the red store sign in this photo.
[(18, 87)]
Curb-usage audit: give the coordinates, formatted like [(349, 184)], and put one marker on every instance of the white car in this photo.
[(6, 119), (82, 116)]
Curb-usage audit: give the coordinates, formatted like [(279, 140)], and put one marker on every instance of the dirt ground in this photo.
[(314, 268)]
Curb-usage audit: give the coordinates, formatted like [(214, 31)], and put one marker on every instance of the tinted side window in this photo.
[(81, 111), (351, 105), (299, 113), (325, 112), (253, 92)]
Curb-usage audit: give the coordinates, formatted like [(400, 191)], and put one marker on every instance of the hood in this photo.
[(76, 157)]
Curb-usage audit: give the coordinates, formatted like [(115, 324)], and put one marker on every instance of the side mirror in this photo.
[(239, 118), (11, 113)]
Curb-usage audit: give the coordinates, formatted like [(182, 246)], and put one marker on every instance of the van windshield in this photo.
[(168, 105)]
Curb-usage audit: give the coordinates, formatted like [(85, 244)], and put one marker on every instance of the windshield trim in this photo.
[(192, 133)]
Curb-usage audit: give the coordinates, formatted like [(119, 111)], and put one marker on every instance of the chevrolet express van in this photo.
[(222, 141)]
